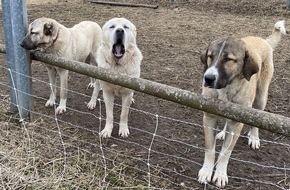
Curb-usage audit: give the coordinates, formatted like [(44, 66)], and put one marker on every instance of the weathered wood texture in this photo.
[(261, 119)]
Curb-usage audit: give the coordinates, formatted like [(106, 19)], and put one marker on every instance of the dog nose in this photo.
[(209, 79), (119, 34), (119, 31), (21, 44)]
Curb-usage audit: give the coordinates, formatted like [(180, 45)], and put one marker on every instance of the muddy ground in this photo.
[(66, 154)]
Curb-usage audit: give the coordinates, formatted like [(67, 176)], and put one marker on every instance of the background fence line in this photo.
[(264, 120)]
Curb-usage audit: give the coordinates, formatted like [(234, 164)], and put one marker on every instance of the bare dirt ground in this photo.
[(66, 154)]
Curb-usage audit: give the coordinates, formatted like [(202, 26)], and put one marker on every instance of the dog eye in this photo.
[(33, 33), (112, 27), (227, 59), (126, 27)]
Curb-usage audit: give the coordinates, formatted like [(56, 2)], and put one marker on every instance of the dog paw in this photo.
[(220, 179), (254, 142), (60, 110), (221, 135), (124, 131), (49, 103), (204, 175), (92, 104), (106, 132), (91, 85)]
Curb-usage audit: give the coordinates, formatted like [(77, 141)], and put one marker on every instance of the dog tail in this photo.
[(275, 37)]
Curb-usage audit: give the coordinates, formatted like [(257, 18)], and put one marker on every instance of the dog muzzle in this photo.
[(118, 47)]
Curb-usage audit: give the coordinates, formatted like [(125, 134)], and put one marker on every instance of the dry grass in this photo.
[(30, 160), (36, 156)]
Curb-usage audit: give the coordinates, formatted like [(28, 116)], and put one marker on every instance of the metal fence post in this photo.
[(18, 59)]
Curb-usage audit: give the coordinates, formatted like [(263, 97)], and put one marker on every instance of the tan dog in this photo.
[(119, 53), (239, 71), (76, 43)]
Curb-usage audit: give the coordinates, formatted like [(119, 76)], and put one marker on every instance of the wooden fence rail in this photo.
[(261, 119)]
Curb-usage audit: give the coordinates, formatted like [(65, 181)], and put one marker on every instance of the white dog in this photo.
[(78, 43), (119, 53)]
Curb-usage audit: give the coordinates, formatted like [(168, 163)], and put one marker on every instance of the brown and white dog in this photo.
[(239, 71), (78, 43), (119, 53)]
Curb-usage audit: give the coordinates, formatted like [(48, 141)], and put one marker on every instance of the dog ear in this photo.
[(48, 28), (203, 58), (250, 67)]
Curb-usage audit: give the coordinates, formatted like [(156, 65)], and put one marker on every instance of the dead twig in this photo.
[(123, 4)]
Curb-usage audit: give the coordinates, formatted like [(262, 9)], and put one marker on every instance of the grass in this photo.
[(32, 156)]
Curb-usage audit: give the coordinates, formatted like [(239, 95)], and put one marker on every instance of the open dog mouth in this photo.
[(118, 49)]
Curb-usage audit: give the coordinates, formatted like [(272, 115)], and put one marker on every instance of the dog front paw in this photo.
[(106, 132), (124, 130), (220, 179), (254, 140), (204, 175), (92, 104), (60, 110), (49, 103)]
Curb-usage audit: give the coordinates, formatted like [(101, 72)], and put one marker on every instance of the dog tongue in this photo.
[(118, 50)]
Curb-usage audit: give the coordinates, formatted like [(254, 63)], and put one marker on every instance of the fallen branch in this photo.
[(123, 4)]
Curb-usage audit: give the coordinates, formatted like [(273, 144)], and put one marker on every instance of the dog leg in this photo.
[(232, 134), (92, 61), (63, 75), (126, 102), (109, 103), (260, 102), (92, 104), (209, 124), (52, 80)]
